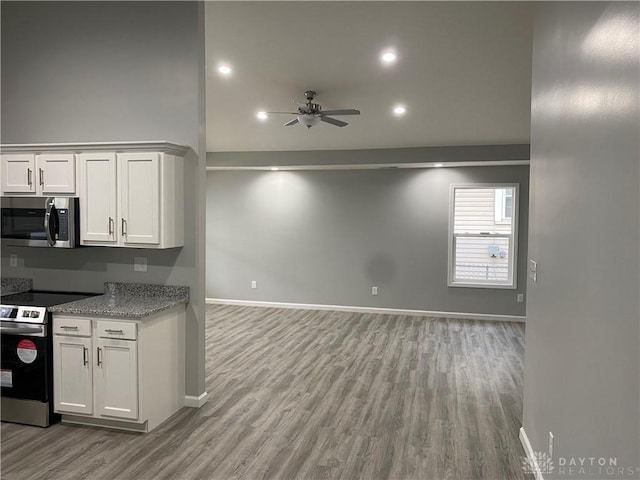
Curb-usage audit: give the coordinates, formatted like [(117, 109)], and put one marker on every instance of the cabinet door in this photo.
[(72, 375), (117, 378), (98, 222), (56, 173), (140, 197), (18, 173)]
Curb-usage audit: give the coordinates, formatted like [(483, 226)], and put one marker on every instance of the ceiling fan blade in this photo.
[(333, 121), (291, 122), (282, 113), (348, 111)]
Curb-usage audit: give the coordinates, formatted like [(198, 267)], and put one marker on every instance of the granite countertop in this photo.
[(128, 300), (9, 286)]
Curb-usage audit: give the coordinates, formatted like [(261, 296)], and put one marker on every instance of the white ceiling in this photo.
[(464, 73)]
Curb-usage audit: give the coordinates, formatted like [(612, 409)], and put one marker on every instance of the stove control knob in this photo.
[(35, 314), (26, 313)]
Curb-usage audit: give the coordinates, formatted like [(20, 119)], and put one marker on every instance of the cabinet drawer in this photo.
[(122, 330), (77, 327)]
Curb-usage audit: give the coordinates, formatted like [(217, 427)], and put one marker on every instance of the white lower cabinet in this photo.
[(119, 373), (117, 378), (73, 374)]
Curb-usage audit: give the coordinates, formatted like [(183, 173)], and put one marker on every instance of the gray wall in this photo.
[(582, 365), (112, 71), (327, 237)]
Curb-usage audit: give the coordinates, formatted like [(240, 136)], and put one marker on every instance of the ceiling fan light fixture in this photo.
[(262, 116), (308, 120)]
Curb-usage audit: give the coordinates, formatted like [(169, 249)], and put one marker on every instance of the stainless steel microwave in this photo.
[(40, 221)]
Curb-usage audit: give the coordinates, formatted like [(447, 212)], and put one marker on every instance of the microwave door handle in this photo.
[(49, 221)]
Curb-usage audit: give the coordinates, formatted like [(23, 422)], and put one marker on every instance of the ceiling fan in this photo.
[(309, 113)]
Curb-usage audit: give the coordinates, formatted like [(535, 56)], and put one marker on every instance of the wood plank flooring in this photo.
[(316, 395)]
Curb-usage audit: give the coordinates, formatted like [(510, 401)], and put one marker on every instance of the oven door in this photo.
[(25, 366)]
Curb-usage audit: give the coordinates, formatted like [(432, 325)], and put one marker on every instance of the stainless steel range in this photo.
[(26, 369)]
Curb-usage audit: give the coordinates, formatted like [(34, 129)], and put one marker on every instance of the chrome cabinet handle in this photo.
[(124, 227), (85, 360), (41, 174), (111, 225), (66, 327), (98, 356), (108, 330), (29, 182)]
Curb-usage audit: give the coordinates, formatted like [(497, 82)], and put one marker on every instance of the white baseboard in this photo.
[(196, 402), (345, 308), (526, 445)]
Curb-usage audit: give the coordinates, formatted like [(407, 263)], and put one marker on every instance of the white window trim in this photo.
[(514, 247)]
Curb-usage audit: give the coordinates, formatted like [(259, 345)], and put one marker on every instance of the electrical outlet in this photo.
[(254, 284), (520, 297), (139, 264), (374, 290), (13, 260), (550, 444)]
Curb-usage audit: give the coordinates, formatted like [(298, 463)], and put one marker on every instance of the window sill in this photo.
[(483, 285)]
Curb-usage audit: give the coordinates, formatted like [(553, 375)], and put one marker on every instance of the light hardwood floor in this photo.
[(316, 395)]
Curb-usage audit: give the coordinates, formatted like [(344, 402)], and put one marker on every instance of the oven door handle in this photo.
[(21, 330)]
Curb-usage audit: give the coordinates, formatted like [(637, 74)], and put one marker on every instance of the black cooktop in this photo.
[(42, 298)]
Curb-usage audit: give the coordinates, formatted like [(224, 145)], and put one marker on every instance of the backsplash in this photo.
[(146, 290)]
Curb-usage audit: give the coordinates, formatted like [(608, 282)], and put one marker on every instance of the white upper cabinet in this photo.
[(132, 199), (140, 198), (18, 172), (56, 173), (98, 203), (43, 174), (131, 193)]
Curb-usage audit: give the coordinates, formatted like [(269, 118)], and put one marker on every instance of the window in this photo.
[(483, 235), (503, 205)]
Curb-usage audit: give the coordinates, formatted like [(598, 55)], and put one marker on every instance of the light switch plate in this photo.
[(533, 270), (13, 260)]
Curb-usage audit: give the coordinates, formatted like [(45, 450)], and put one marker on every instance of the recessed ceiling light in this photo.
[(388, 57), (399, 110), (438, 165), (262, 116), (274, 169), (224, 70)]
